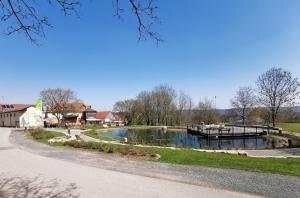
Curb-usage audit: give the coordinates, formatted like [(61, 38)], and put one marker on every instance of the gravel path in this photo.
[(293, 152), (270, 185)]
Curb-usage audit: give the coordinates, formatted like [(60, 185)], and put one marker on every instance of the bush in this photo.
[(139, 152), (41, 134), (108, 148), (38, 134)]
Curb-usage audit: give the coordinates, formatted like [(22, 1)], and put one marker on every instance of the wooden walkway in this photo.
[(230, 131)]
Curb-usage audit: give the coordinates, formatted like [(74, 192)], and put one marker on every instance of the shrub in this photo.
[(41, 134), (108, 148)]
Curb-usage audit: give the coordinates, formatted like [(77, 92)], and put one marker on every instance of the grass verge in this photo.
[(93, 133), (113, 148), (43, 136), (288, 166), (292, 127)]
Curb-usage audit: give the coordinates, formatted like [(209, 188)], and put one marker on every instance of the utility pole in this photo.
[(2, 97), (215, 102)]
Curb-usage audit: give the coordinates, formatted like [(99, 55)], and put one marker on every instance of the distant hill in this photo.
[(224, 111), (297, 108)]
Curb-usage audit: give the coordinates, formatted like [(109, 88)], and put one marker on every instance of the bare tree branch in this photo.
[(276, 88), (23, 16), (243, 102), (146, 10)]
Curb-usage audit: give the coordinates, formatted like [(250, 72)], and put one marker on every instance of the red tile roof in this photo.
[(74, 106), (102, 114), (14, 107), (118, 118)]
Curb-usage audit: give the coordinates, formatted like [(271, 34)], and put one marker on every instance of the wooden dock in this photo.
[(230, 131)]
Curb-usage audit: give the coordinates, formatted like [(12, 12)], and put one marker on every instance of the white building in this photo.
[(21, 116), (32, 118)]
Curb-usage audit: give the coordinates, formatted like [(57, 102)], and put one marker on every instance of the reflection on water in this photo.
[(183, 139)]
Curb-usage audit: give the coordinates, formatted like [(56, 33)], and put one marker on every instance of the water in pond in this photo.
[(183, 139)]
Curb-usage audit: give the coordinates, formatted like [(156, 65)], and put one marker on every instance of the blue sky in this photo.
[(210, 48)]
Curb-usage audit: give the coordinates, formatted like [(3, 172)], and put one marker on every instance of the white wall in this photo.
[(32, 118)]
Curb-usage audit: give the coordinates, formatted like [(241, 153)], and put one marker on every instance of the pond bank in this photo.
[(273, 153), (220, 159), (181, 139)]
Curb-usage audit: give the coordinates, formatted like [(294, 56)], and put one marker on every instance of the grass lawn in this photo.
[(288, 166), (106, 133), (96, 127), (43, 136), (140, 127), (93, 133), (292, 127)]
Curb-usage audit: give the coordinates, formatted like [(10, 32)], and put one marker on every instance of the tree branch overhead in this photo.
[(23, 16)]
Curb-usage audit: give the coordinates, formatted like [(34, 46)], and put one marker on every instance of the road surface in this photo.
[(25, 174)]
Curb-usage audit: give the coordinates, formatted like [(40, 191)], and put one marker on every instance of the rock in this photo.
[(242, 153), (61, 139)]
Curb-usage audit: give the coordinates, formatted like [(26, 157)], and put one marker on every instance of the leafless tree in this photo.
[(243, 102), (147, 102), (276, 88), (185, 104), (157, 107), (24, 16), (165, 98), (145, 14), (129, 109), (55, 100), (205, 112)]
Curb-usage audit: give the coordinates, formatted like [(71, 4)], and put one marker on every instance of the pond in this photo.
[(182, 139)]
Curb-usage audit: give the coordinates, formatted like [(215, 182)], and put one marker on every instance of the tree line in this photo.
[(270, 101), (275, 92), (160, 106)]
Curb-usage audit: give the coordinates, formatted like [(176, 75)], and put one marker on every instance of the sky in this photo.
[(210, 48)]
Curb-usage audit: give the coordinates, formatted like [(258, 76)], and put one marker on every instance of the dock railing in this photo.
[(231, 130)]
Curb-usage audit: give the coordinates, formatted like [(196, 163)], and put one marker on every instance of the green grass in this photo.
[(96, 126), (292, 127), (43, 136), (140, 127), (93, 133), (105, 133), (288, 166)]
